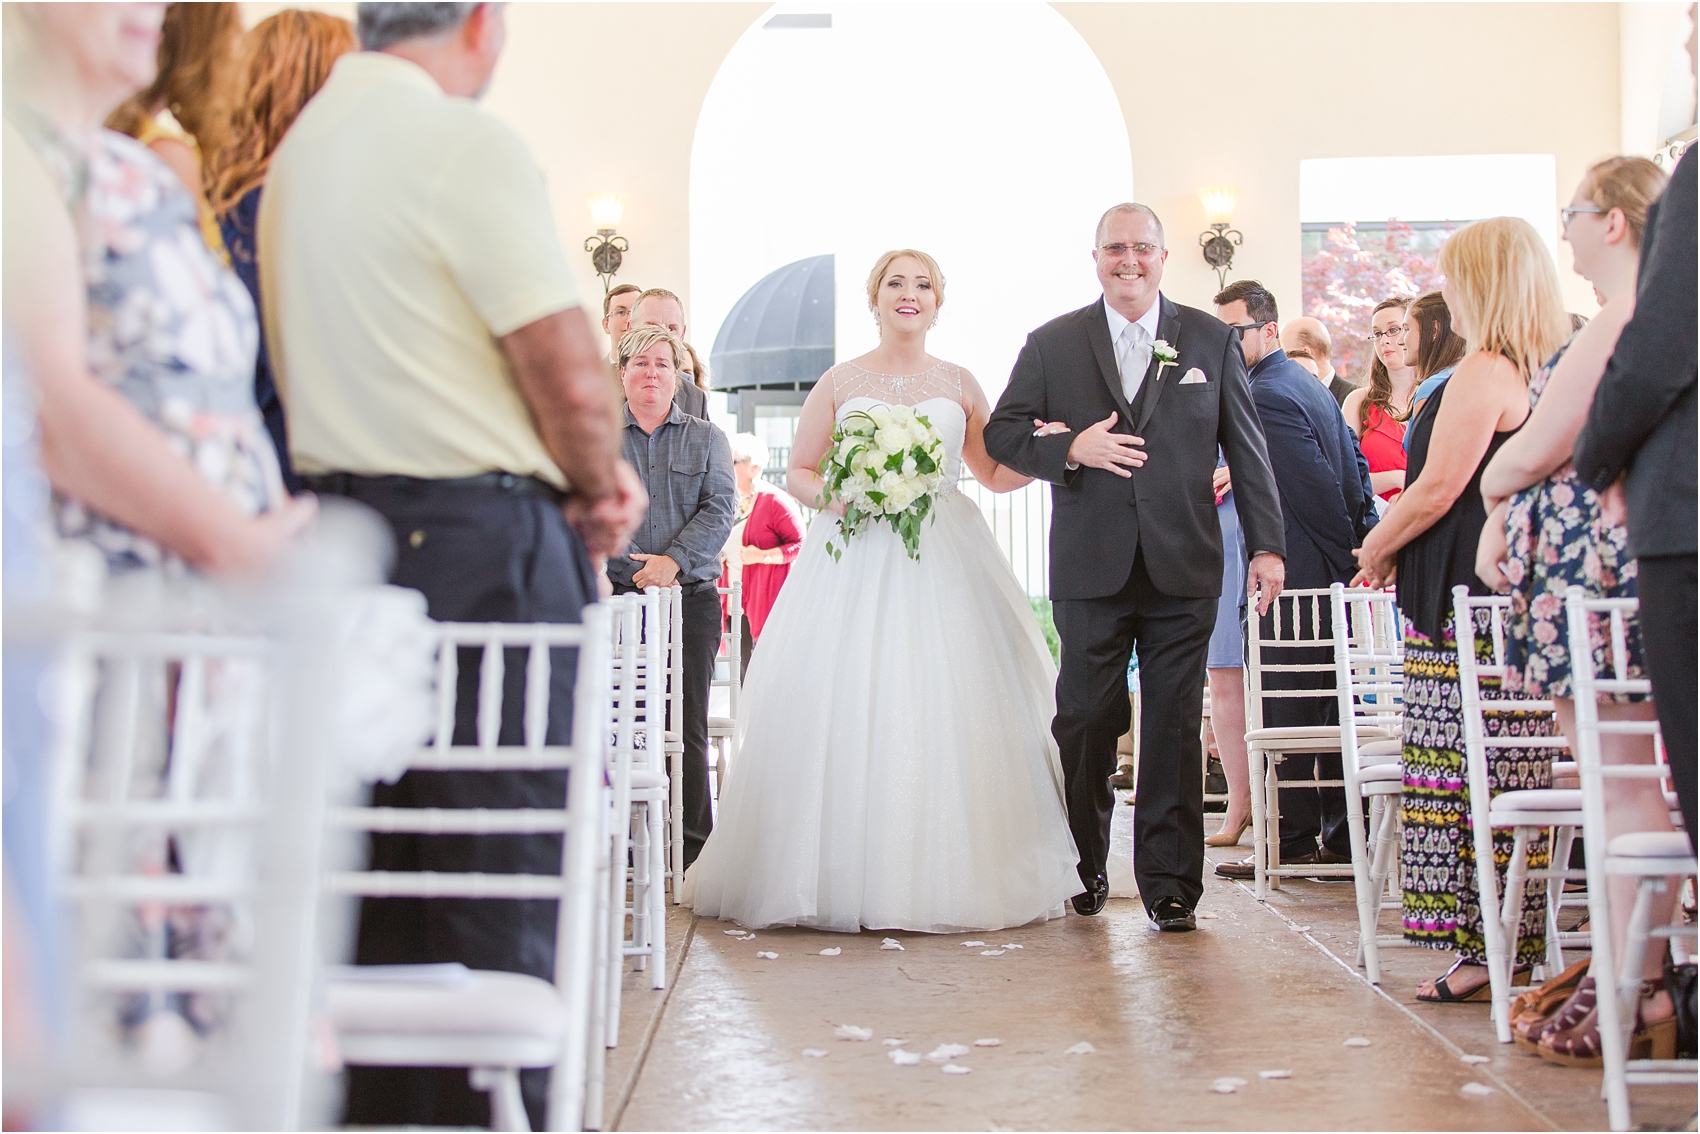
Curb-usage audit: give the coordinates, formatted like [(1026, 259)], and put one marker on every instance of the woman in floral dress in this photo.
[(1548, 531)]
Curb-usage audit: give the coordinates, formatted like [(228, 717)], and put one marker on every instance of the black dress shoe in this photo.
[(1092, 901), (1171, 915), (1123, 779)]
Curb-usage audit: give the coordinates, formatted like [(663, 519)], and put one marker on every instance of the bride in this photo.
[(897, 769)]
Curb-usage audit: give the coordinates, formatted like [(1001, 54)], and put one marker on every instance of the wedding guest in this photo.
[(182, 113), (693, 371), (664, 309), (1545, 534), (617, 316), (686, 466), (1225, 668), (1326, 509), (1637, 449), (156, 452), (1432, 348), (1502, 290), (1378, 412), (446, 375), (1308, 335), (287, 58), (766, 537)]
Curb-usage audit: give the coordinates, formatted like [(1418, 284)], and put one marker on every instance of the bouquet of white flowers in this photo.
[(885, 464)]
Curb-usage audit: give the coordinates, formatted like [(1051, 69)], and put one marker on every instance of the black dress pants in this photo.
[(1665, 584), (703, 624), (478, 554), (1173, 637)]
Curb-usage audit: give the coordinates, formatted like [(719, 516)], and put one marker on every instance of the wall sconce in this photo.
[(1219, 243), (606, 248)]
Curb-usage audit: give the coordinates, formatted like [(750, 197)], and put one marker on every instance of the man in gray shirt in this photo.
[(686, 464)]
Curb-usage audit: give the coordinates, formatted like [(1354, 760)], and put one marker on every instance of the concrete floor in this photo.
[(1261, 987)]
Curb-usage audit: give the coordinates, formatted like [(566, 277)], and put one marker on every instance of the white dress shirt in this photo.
[(1133, 349)]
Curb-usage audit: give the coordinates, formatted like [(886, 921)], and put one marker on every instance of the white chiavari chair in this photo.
[(495, 1023), (1369, 675), (723, 730), (1528, 814), (1301, 621), (1656, 859), (184, 1002)]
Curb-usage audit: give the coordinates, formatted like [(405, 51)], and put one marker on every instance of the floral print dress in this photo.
[(173, 330), (1557, 539)]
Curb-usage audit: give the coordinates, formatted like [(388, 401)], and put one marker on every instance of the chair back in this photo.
[(580, 820), (731, 647), (165, 757), (1472, 671), (1287, 655), (1369, 670)]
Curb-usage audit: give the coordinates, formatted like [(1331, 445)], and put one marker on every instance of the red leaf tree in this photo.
[(1352, 272)]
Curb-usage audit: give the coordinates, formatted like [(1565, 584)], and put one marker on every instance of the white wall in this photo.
[(986, 135)]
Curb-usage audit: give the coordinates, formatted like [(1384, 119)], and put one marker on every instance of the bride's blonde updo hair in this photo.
[(883, 265)]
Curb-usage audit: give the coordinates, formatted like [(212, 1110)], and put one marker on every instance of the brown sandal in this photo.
[(1534, 1010)]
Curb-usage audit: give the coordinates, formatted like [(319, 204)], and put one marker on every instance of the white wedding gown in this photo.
[(897, 769)]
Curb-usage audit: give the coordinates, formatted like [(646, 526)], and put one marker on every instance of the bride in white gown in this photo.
[(897, 769)]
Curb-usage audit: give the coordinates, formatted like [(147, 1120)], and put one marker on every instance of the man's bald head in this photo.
[(1307, 333)]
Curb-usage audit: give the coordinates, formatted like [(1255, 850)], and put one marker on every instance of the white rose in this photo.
[(920, 433), (904, 414), (892, 439), (882, 417), (909, 469)]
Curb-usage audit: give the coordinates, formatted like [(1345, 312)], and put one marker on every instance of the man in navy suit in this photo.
[(1327, 506)]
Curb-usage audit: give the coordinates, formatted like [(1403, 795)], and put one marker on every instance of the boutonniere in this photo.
[(1165, 354)]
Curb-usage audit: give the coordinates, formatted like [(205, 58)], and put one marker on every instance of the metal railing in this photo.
[(1021, 524)]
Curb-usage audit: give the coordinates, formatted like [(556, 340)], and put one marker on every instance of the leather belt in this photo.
[(353, 484)]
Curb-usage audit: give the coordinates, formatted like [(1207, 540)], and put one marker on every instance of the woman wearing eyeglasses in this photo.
[(1377, 412)]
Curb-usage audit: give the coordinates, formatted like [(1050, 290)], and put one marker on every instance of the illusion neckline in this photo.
[(896, 377)]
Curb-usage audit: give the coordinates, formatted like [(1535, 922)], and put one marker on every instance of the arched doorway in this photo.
[(987, 134)]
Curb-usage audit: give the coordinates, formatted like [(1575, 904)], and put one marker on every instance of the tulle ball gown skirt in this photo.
[(897, 769)]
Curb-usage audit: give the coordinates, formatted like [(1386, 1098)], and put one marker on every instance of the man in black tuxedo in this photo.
[(1327, 506), (1637, 450), (1149, 390)]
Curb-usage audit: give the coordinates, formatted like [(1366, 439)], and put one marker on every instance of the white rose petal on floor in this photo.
[(831, 952), (947, 1051), (988, 1043), (766, 956), (814, 1053), (955, 1069), (991, 952), (892, 943), (895, 1042), (852, 1032), (1285, 1074), (1475, 1090), (1473, 1059), (973, 944), (1081, 1048), (1356, 1041), (903, 1058)]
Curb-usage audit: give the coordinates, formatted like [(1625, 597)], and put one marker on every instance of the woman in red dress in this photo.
[(765, 539), (1378, 411)]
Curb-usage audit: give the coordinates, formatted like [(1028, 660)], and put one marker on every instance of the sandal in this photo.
[(1578, 1043), (1480, 994), (1534, 1010)]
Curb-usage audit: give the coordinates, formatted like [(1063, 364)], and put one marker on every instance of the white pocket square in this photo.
[(1193, 375)]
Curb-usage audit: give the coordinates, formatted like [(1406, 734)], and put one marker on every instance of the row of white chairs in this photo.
[(198, 799), (1368, 667)]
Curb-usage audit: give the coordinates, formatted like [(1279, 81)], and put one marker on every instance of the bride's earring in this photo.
[(876, 316)]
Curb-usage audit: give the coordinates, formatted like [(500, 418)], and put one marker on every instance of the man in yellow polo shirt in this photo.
[(435, 364)]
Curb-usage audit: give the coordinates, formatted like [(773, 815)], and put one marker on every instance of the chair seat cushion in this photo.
[(483, 1003), (1380, 752), (1651, 844), (725, 724), (1538, 799)]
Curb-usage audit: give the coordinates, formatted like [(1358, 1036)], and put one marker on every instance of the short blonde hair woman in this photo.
[(641, 338), (1502, 289)]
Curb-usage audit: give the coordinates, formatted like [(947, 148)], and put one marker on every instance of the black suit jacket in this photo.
[(1326, 500), (1341, 387), (1643, 417), (1067, 372)]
